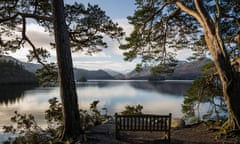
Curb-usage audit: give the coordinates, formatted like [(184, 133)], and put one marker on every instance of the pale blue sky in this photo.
[(114, 8)]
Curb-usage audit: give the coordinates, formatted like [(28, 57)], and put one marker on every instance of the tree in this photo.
[(160, 25), (78, 28), (205, 89), (66, 78)]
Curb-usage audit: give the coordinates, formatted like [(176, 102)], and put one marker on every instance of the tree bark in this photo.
[(66, 78), (229, 76), (229, 80)]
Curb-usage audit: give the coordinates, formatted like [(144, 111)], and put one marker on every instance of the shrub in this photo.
[(28, 131), (137, 109)]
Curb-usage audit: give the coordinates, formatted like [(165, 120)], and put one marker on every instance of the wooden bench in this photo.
[(144, 122)]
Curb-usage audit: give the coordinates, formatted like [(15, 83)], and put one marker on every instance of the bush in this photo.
[(137, 109), (28, 131)]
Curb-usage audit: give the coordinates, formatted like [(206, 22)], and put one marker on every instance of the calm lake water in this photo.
[(155, 97)]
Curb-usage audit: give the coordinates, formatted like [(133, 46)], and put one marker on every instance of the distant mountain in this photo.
[(13, 73), (115, 74), (189, 70), (112, 72), (183, 71), (31, 67), (96, 75), (145, 73)]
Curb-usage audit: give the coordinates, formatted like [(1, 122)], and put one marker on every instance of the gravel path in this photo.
[(194, 134)]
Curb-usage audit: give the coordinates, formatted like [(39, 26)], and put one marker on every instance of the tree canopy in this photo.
[(87, 25), (161, 27)]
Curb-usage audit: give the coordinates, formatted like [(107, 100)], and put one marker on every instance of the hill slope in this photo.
[(189, 71), (12, 73), (183, 71), (96, 75)]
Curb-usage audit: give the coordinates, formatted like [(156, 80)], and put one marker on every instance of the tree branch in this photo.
[(190, 12), (154, 14), (218, 8), (174, 13), (37, 17), (8, 18), (25, 37), (207, 20), (26, 15)]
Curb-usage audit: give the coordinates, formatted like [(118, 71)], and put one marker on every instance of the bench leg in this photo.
[(117, 135), (167, 137)]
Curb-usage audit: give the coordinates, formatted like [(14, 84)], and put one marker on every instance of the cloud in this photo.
[(39, 36), (120, 66), (109, 58), (184, 54), (123, 22), (113, 45)]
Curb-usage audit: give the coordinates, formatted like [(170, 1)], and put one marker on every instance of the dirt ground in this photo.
[(194, 134)]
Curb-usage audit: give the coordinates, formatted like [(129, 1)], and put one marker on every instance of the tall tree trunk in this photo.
[(229, 76), (66, 78)]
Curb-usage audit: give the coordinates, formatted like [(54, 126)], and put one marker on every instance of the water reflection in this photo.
[(12, 94), (156, 97), (207, 108), (169, 87), (160, 98)]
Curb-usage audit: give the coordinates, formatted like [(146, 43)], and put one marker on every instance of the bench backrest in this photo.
[(143, 122)]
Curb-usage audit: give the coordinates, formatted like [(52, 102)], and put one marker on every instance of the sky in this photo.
[(110, 58)]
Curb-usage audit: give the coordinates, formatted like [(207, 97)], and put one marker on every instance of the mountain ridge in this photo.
[(183, 71), (11, 72)]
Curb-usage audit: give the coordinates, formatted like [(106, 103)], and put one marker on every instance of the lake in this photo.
[(156, 97)]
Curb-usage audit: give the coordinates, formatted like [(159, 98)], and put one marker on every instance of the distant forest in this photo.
[(14, 73)]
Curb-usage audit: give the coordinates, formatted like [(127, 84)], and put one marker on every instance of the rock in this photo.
[(177, 123)]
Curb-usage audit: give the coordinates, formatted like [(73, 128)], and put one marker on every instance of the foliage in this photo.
[(206, 89), (28, 131), (96, 115), (47, 75), (155, 33), (86, 26), (163, 27), (135, 109), (72, 25), (54, 117)]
